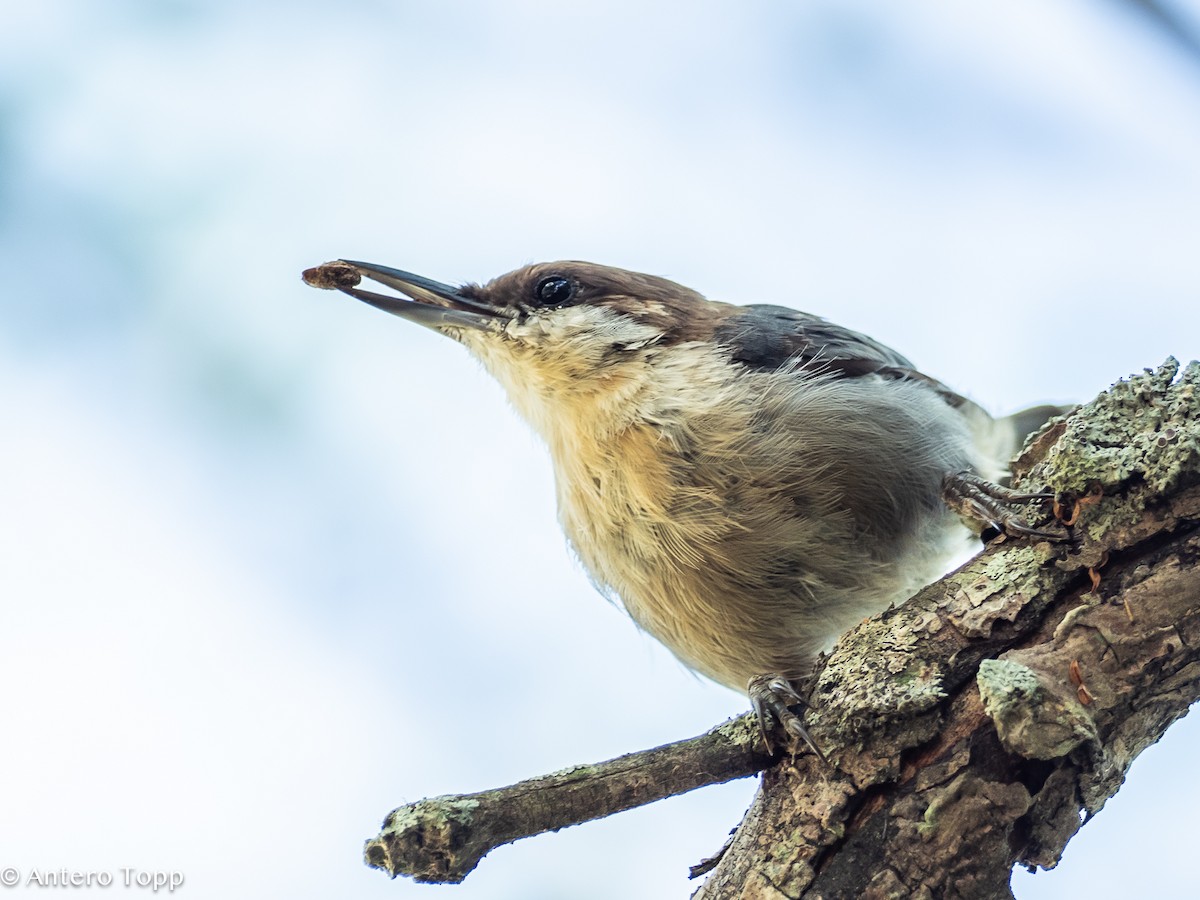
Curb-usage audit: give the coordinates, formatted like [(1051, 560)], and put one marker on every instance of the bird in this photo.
[(747, 482)]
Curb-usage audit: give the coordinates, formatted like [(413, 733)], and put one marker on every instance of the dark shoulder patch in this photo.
[(766, 338)]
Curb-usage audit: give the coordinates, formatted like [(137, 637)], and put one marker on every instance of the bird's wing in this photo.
[(769, 337)]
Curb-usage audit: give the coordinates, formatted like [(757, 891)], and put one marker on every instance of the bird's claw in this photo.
[(773, 697), (983, 501)]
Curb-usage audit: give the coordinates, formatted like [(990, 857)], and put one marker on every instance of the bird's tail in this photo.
[(1009, 433), (998, 441), (1024, 423)]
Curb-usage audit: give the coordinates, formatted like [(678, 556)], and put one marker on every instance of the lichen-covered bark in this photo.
[(969, 729)]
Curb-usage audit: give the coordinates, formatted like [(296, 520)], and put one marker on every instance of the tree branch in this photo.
[(443, 838), (966, 729)]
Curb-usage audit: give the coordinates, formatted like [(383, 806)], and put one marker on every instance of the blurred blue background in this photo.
[(273, 562)]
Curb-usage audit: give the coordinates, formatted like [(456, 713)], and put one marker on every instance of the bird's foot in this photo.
[(773, 699), (979, 500)]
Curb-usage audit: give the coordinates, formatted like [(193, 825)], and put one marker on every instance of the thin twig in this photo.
[(442, 839)]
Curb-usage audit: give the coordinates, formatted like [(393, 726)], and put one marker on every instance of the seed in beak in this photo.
[(332, 276)]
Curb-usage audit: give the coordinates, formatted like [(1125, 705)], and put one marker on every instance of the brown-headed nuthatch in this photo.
[(748, 481)]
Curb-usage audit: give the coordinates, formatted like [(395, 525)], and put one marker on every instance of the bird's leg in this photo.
[(979, 500), (773, 697)]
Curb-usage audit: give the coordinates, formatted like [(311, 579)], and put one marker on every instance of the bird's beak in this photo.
[(432, 304)]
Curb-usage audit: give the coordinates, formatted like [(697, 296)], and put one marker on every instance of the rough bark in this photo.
[(968, 730)]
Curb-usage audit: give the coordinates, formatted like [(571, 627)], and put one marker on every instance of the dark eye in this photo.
[(554, 290)]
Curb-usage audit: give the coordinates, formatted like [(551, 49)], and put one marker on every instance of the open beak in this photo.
[(426, 302)]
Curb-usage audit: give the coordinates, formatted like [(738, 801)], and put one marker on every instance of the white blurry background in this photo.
[(273, 562)]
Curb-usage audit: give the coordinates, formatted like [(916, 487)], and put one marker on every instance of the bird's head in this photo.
[(549, 332)]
